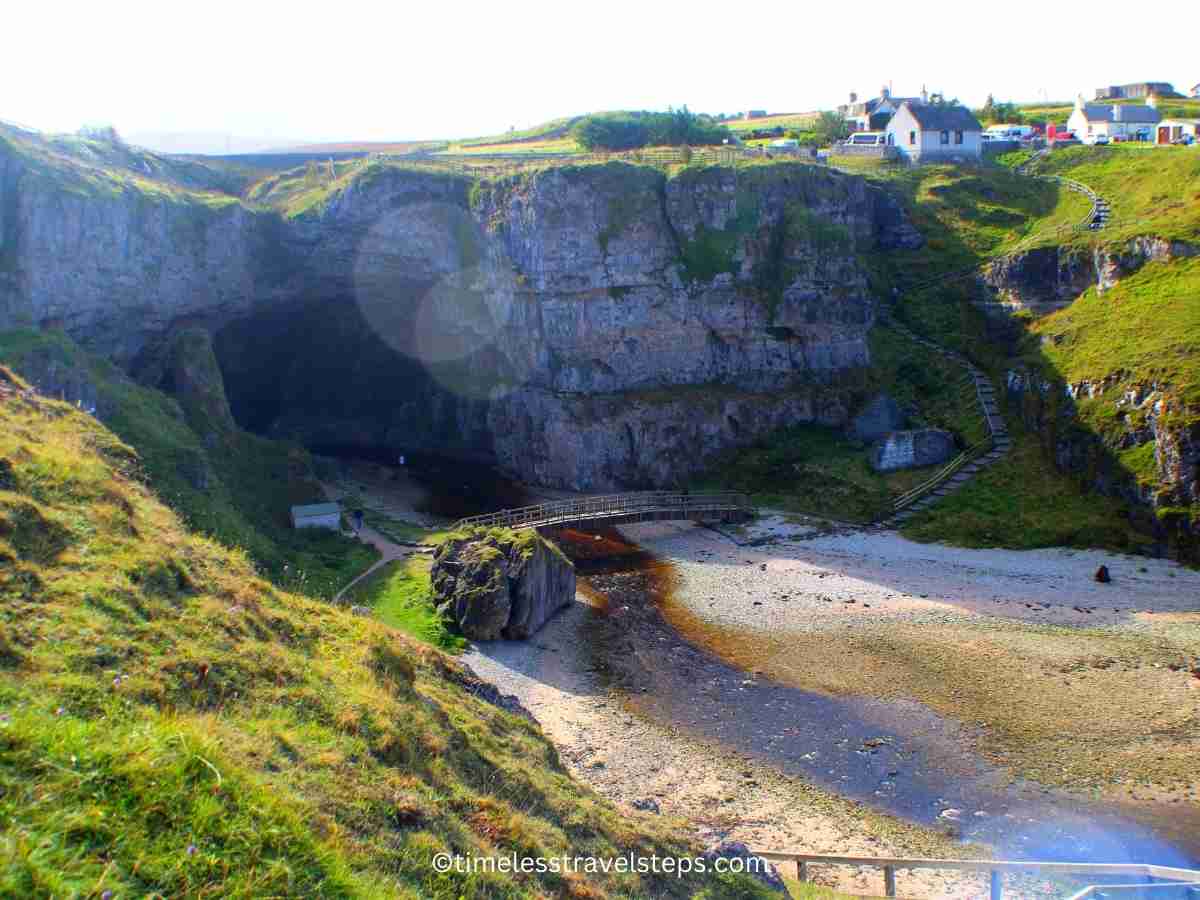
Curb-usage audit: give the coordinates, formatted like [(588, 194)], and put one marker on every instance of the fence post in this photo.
[(997, 884), (889, 881), (801, 871)]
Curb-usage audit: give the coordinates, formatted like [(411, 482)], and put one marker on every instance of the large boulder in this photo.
[(496, 583), (878, 418), (912, 449)]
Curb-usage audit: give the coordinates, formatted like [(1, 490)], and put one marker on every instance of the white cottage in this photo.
[(1127, 120), (935, 132)]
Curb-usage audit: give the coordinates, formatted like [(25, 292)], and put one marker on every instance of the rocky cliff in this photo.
[(1147, 451), (1050, 278), (535, 320)]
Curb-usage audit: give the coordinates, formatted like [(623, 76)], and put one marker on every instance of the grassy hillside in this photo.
[(1144, 328), (821, 471), (170, 724), (1152, 190), (399, 594), (1148, 326), (786, 121), (968, 215), (233, 486), (94, 168)]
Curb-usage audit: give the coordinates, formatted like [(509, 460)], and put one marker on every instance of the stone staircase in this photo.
[(998, 443), (973, 461)]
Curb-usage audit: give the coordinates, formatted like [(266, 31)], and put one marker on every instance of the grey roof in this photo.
[(315, 509), (936, 117), (1105, 112)]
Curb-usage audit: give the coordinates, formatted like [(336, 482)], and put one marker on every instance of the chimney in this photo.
[(884, 93), (1080, 103), (853, 97), (924, 94)]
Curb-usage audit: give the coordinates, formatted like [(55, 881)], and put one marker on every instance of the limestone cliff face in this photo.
[(528, 319), (117, 265)]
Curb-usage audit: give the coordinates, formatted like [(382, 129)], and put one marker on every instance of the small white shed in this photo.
[(317, 515)]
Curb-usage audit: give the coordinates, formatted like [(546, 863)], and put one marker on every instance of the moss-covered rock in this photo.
[(500, 583)]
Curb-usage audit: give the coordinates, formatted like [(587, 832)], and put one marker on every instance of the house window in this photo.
[(912, 138), (958, 137), (945, 137)]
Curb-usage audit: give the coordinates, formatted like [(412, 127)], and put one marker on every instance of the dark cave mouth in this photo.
[(457, 487)]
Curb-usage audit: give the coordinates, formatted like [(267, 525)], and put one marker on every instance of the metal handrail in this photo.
[(608, 505), (942, 474), (996, 868)]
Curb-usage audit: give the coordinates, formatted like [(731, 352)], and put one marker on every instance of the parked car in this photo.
[(867, 139), (1184, 140), (1096, 140)]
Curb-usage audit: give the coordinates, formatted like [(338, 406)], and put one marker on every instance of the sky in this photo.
[(422, 70)]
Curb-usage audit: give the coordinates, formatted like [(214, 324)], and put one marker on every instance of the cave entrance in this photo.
[(454, 487)]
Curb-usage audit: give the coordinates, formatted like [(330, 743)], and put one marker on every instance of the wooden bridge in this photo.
[(613, 509)]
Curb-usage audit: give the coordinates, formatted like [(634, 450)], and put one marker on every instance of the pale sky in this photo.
[(398, 71)]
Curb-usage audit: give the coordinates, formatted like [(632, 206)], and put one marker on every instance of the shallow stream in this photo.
[(899, 757)]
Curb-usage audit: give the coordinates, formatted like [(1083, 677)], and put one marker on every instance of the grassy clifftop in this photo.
[(170, 723)]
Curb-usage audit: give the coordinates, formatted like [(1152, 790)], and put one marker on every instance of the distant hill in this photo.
[(208, 143)]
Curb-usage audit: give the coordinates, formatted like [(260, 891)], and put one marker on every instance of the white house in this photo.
[(1173, 129), (1091, 120), (935, 132), (317, 515), (872, 114)]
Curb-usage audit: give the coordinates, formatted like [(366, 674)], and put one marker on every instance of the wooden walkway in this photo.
[(613, 509)]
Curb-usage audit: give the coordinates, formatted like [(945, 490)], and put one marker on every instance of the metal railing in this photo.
[(1181, 879), (611, 506), (943, 474)]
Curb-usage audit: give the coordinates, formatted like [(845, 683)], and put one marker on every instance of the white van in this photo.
[(867, 139)]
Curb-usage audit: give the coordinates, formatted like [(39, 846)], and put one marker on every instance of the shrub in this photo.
[(631, 130)]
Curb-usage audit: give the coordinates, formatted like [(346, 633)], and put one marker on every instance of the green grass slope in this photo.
[(822, 471), (173, 725), (237, 488), (1147, 328), (399, 593), (95, 168), (1151, 190), (1143, 331)]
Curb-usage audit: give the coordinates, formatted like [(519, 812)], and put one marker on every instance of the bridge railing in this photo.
[(581, 509), (1183, 879)]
